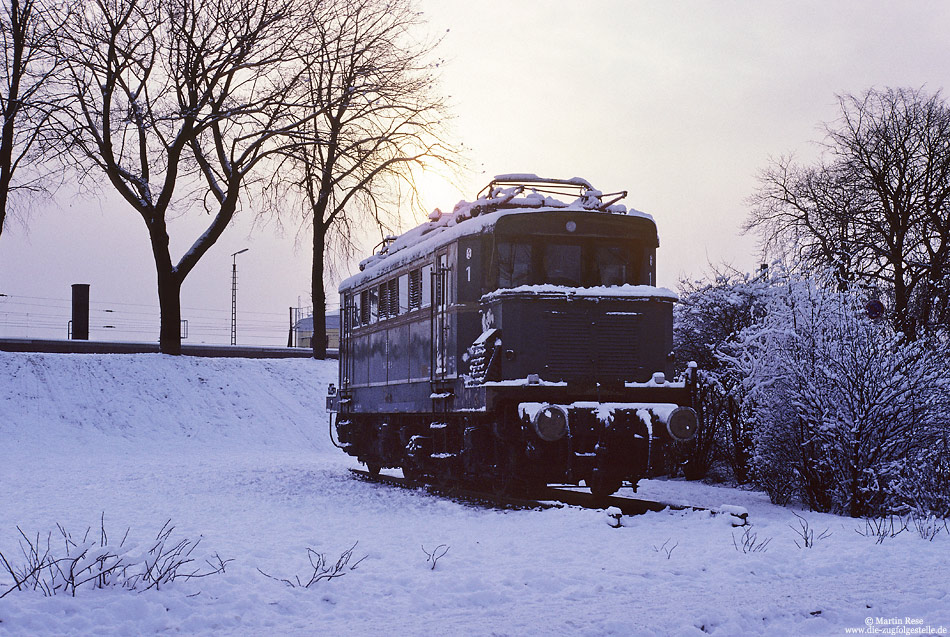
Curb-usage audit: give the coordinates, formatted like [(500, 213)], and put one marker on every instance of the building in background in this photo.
[(303, 331)]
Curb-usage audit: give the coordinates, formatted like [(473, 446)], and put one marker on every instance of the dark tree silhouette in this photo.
[(25, 29), (178, 103), (876, 208), (374, 107)]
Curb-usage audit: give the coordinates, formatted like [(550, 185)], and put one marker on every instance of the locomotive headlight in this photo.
[(682, 424), (550, 423)]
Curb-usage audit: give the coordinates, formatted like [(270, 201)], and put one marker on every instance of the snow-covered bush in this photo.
[(883, 528), (922, 483), (840, 403), (708, 315), (59, 564)]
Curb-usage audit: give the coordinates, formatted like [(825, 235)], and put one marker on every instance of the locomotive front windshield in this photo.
[(572, 264)]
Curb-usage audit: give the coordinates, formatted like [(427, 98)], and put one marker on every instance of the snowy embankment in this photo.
[(236, 452)]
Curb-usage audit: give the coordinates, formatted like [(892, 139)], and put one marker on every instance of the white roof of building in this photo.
[(306, 324)]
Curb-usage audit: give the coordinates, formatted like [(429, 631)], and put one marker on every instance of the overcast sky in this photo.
[(680, 103)]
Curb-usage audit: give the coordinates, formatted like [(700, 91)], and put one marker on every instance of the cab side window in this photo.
[(426, 286), (514, 264), (351, 304), (615, 265), (403, 285), (373, 304)]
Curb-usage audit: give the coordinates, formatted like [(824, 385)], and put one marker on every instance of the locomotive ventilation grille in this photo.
[(602, 346)]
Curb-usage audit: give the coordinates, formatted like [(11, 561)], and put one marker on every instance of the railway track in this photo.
[(549, 497)]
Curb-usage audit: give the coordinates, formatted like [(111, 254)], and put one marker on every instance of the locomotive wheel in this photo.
[(444, 481), (601, 485), (500, 484), (411, 474)]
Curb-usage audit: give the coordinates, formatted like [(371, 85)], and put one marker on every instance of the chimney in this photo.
[(81, 311)]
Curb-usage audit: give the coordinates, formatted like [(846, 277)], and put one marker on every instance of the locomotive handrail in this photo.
[(525, 178)]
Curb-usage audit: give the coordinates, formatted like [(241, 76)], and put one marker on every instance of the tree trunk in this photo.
[(318, 294), (903, 321), (6, 158), (169, 291), (12, 106), (169, 301)]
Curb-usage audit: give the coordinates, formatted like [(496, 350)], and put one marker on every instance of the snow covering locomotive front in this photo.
[(517, 341)]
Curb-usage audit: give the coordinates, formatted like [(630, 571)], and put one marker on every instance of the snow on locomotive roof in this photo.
[(481, 215), (603, 291)]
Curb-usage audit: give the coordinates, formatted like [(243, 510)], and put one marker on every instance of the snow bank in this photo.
[(65, 402), (236, 452)]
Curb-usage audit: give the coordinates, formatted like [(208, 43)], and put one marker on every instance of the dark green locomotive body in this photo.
[(517, 341)]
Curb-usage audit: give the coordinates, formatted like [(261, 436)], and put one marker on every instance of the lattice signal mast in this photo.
[(234, 295)]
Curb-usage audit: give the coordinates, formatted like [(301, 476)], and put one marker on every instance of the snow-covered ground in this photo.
[(236, 452)]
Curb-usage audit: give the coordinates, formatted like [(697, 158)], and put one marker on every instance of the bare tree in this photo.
[(877, 206), (177, 103), (26, 66), (807, 213), (374, 108)]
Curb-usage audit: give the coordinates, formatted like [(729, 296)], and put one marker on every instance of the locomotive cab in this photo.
[(573, 296)]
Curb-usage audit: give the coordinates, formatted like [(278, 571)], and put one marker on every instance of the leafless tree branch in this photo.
[(876, 208), (375, 122)]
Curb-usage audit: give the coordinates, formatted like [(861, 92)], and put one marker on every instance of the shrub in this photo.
[(66, 565), (708, 316), (839, 402)]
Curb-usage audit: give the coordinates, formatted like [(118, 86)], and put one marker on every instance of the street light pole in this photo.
[(234, 295)]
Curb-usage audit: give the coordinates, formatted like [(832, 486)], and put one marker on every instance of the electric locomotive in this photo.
[(519, 340)]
